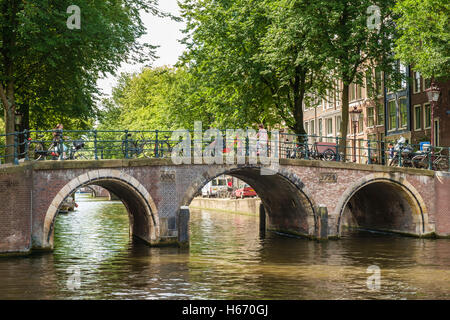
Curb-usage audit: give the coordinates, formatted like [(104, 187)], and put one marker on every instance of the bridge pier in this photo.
[(322, 219), (262, 221), (183, 226), (400, 200)]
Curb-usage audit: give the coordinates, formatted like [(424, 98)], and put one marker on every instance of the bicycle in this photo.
[(136, 148), (440, 161), (37, 150), (75, 150), (161, 147)]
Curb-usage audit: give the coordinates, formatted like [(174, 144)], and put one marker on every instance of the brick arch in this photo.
[(141, 208), (400, 188), (288, 203)]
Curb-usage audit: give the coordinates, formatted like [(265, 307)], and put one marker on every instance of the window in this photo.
[(352, 92), (312, 128), (370, 116), (427, 116), (359, 91), (361, 124), (403, 113), (380, 114), (320, 127), (417, 82), (426, 84), (338, 125), (372, 143), (329, 127), (306, 127), (392, 113), (417, 117), (337, 97)]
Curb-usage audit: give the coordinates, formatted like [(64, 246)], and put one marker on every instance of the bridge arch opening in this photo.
[(383, 205), (288, 206), (143, 216)]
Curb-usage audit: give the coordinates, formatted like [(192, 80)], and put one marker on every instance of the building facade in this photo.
[(388, 117)]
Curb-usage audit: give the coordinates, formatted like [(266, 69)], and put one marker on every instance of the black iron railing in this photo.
[(127, 144)]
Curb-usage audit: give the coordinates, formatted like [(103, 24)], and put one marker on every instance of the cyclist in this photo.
[(57, 136)]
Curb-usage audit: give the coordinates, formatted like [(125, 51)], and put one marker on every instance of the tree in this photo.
[(424, 36), (48, 67), (352, 44), (255, 59)]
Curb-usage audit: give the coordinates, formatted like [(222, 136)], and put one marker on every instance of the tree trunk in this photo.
[(344, 123), (8, 51), (9, 110), (298, 89)]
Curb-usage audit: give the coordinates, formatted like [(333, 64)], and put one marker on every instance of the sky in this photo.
[(160, 31)]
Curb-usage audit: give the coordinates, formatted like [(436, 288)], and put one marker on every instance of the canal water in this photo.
[(94, 258)]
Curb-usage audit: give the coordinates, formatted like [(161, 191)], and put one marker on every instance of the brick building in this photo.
[(404, 113), (421, 120)]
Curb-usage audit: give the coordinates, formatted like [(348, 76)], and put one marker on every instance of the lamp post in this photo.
[(433, 97), (355, 114)]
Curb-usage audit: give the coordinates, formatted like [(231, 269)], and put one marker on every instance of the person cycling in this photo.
[(57, 136)]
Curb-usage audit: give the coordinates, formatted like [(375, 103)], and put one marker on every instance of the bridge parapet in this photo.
[(411, 201)]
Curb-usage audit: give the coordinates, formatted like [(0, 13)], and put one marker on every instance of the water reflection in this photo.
[(226, 260)]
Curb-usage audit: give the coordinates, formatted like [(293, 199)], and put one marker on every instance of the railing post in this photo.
[(430, 161), (16, 145), (368, 153), (95, 145), (338, 156), (27, 145), (157, 144), (61, 146), (306, 146), (383, 153), (400, 157), (126, 144)]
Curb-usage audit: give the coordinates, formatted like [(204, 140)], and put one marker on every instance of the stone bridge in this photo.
[(315, 199)]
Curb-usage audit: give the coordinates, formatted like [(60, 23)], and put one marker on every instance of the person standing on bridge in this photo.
[(57, 136)]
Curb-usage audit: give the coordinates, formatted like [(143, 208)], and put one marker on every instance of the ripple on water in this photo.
[(226, 260)]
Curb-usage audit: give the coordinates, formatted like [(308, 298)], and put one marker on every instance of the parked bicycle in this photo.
[(319, 151), (439, 161), (75, 152), (163, 147)]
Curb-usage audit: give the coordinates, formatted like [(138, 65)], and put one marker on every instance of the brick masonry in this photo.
[(28, 194)]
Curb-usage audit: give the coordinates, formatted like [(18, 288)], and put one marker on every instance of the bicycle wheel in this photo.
[(36, 151), (417, 161), (329, 155), (147, 151), (442, 163)]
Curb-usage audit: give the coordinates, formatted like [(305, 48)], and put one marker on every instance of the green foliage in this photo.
[(53, 69), (254, 60), (424, 39), (140, 101)]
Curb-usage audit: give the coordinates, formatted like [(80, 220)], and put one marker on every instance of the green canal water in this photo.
[(94, 258)]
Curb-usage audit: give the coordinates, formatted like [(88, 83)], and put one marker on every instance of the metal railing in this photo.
[(127, 144)]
